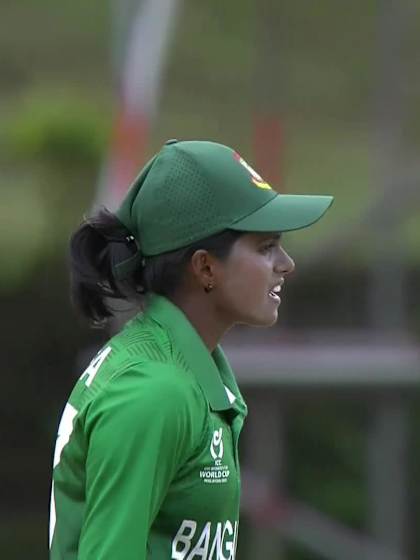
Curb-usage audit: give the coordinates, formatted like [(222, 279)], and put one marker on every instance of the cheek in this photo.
[(247, 281)]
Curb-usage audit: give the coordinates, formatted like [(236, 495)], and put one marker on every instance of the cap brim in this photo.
[(285, 212)]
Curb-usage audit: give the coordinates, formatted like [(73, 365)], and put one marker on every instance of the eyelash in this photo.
[(269, 247)]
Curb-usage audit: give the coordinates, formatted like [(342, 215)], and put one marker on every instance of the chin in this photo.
[(267, 320), (271, 322)]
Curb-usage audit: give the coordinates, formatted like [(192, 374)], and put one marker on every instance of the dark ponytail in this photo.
[(95, 247), (103, 241)]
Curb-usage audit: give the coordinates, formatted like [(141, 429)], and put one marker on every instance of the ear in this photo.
[(203, 268)]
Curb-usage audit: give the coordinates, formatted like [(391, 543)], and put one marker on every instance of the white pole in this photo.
[(142, 35)]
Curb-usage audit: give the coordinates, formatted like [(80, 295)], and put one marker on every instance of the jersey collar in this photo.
[(212, 370)]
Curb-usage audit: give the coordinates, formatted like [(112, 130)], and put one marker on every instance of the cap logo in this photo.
[(255, 177)]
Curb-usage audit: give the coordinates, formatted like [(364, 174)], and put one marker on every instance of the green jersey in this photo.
[(146, 460)]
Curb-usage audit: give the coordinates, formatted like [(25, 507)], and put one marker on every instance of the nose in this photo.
[(284, 263)]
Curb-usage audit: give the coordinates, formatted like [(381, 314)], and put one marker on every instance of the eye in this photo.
[(268, 247)]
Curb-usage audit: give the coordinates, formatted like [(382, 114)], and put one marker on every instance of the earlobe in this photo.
[(202, 269), (208, 288)]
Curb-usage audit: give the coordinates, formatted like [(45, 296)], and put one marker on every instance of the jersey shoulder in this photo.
[(141, 395), (140, 360)]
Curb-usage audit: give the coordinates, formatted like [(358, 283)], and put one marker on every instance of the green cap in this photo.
[(193, 189)]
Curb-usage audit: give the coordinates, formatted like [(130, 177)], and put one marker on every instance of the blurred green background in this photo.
[(327, 78)]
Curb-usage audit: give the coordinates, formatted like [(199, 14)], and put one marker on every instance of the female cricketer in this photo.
[(146, 461)]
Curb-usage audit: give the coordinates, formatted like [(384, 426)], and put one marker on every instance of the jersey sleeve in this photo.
[(140, 431)]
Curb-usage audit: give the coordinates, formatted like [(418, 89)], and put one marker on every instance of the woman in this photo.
[(146, 461)]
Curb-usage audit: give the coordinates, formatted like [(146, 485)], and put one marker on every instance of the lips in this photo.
[(275, 290)]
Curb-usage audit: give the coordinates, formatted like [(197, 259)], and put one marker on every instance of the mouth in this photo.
[(275, 291)]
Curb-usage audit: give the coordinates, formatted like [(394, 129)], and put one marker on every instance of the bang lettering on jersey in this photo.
[(216, 541)]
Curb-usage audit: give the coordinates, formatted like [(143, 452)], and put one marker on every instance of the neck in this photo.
[(203, 316)]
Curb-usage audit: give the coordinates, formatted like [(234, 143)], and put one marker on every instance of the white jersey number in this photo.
[(65, 427), (94, 366)]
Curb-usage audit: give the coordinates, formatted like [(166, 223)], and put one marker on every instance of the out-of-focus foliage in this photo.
[(60, 130), (52, 149), (57, 109)]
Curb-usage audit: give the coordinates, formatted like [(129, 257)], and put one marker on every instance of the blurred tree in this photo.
[(52, 147)]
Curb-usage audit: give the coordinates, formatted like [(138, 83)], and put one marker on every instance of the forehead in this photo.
[(253, 241)]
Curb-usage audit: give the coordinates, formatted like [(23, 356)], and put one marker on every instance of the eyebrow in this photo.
[(274, 236)]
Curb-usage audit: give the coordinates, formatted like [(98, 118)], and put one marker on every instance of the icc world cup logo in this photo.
[(216, 447), (215, 473)]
